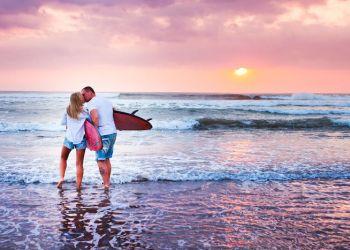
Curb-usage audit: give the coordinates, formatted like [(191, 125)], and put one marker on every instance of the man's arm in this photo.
[(94, 117)]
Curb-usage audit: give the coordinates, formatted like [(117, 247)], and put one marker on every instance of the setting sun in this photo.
[(241, 71)]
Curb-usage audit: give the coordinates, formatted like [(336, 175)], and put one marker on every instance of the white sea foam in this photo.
[(179, 174), (157, 124), (308, 96), (297, 111), (175, 124), (109, 95), (21, 126), (34, 95)]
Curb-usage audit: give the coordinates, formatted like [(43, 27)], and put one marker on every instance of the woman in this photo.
[(74, 119)]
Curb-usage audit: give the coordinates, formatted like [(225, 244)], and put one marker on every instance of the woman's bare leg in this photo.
[(63, 165), (80, 167)]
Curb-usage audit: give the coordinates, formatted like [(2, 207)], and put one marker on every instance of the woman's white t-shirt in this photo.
[(75, 127)]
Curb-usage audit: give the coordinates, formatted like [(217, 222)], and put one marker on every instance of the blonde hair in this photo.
[(75, 106)]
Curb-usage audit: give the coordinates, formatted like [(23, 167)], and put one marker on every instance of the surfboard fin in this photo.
[(134, 112), (149, 119)]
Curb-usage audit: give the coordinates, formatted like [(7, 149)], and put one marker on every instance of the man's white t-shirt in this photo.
[(75, 127), (104, 109)]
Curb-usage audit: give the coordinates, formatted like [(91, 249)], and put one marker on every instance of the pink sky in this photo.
[(175, 45)]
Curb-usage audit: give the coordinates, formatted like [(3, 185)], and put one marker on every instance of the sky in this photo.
[(288, 46)]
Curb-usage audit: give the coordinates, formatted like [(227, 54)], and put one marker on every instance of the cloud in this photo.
[(16, 6), (173, 33)]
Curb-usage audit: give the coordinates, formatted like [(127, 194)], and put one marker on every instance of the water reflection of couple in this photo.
[(100, 111), (88, 223), (78, 228)]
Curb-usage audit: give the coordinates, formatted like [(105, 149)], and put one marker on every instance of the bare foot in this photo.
[(106, 187), (78, 188), (60, 183)]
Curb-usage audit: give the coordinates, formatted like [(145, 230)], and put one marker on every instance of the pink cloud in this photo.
[(15, 6), (169, 33)]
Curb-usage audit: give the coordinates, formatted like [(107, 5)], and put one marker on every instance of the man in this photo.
[(101, 112)]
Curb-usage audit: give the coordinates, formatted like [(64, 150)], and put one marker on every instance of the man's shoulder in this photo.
[(99, 99), (103, 101), (94, 100), (97, 102)]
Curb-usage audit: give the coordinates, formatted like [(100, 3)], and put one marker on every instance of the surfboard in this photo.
[(126, 121), (93, 138)]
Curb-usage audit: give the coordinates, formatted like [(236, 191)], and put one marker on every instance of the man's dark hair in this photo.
[(89, 89)]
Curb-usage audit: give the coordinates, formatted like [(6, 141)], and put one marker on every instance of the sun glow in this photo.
[(241, 71)]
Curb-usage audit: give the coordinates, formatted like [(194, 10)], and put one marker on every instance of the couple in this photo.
[(100, 111)]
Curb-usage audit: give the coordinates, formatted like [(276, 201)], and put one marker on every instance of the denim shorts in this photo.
[(71, 145), (107, 149)]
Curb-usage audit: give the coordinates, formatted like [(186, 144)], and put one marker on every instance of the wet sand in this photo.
[(309, 214)]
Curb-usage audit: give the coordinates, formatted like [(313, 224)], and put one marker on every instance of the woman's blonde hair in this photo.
[(75, 106)]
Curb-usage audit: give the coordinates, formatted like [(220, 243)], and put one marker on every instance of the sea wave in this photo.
[(189, 175), (176, 124), (295, 111), (312, 123), (222, 123), (341, 122), (204, 123), (307, 96), (311, 96), (156, 105), (188, 96), (24, 127)]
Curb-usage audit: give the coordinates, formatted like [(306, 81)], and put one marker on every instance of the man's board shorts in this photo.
[(107, 147), (71, 145)]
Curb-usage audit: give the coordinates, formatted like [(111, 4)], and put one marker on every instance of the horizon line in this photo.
[(185, 92)]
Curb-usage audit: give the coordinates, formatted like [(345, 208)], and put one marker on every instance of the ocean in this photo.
[(217, 171)]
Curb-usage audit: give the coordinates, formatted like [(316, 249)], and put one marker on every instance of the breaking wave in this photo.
[(189, 175), (220, 123), (295, 111), (316, 123), (307, 96), (205, 124), (24, 127)]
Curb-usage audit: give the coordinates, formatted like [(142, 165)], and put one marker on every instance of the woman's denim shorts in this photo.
[(71, 145)]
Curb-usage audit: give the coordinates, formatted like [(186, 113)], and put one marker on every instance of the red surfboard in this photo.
[(93, 138), (126, 121)]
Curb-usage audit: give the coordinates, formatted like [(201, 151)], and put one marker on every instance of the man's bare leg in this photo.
[(80, 169), (102, 165), (63, 165), (109, 169)]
